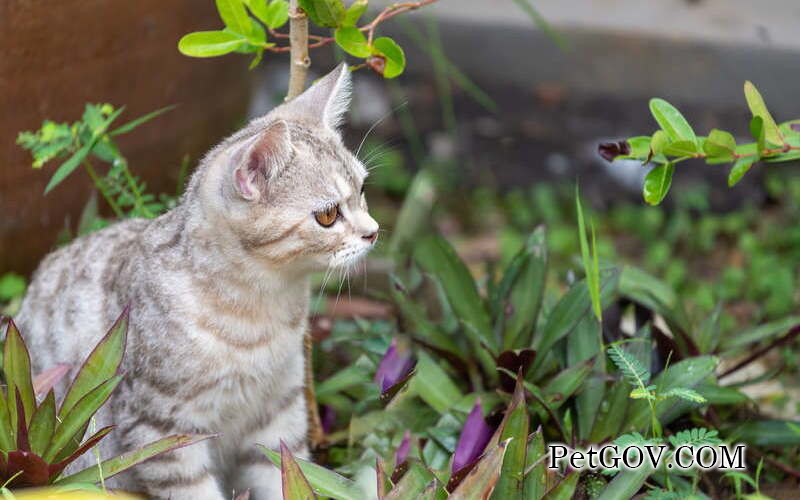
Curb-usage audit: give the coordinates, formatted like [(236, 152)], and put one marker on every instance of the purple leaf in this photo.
[(795, 127), (473, 438), (402, 451), (49, 378), (395, 365), (610, 150)]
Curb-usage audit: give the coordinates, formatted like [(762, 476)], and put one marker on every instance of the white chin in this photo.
[(349, 256)]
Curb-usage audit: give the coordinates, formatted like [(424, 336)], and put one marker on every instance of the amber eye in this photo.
[(327, 217)]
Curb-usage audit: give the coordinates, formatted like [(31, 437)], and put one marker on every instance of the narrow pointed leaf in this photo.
[(413, 482), (564, 385), (79, 415), (433, 385), (535, 483), (23, 443), (325, 482), (524, 291), (125, 461), (43, 424), (515, 427), (46, 380), (57, 468), (123, 129), (625, 484), (295, 485), (17, 370), (101, 364), (7, 441)]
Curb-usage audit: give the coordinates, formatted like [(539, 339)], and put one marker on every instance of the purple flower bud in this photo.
[(328, 418), (395, 365), (402, 451), (795, 127), (473, 439)]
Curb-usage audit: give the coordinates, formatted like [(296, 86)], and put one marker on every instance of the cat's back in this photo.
[(68, 305)]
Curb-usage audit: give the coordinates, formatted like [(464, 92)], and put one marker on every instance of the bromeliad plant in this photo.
[(676, 141), (39, 438)]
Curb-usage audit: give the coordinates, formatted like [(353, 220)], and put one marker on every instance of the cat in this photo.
[(219, 295)]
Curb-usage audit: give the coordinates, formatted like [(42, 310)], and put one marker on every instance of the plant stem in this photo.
[(135, 190), (298, 58), (101, 186)]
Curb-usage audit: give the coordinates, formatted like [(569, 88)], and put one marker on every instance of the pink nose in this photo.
[(371, 237)]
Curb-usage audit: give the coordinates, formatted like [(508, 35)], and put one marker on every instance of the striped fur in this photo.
[(219, 293)]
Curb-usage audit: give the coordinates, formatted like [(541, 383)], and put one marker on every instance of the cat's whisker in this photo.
[(380, 120)]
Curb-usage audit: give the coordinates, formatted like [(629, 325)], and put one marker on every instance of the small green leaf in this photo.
[(413, 483), (43, 423), (124, 129), (352, 41), (354, 12), (515, 426), (758, 131), (681, 148), (325, 482), (210, 43), (684, 393), (234, 15), (657, 183), (640, 147), (590, 263), (720, 145), (433, 385), (671, 121), (325, 13), (757, 106), (565, 488), (273, 14), (625, 484), (659, 142), (563, 385), (127, 460), (740, 168), (395, 57)]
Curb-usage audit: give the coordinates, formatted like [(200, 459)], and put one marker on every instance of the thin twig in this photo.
[(793, 333)]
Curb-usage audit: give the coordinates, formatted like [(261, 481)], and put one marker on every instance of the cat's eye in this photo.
[(327, 217)]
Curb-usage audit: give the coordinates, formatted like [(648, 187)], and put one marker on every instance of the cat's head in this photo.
[(288, 188)]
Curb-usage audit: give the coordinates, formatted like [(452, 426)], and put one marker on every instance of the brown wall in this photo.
[(57, 55)]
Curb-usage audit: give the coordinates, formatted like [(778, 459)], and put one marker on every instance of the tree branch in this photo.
[(298, 42)]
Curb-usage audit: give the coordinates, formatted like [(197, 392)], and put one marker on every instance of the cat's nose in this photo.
[(371, 237)]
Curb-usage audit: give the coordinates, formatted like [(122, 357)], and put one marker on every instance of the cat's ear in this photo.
[(327, 99), (260, 159)]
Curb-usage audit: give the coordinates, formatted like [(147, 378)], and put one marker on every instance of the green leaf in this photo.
[(435, 255), (433, 385), (395, 57), (631, 368), (766, 331), (757, 106), (7, 435), (127, 460), (273, 14), (720, 145), (514, 427), (295, 485), (124, 129), (559, 389), (718, 395), (210, 43), (659, 142), (354, 13), (765, 433), (671, 121), (325, 13), (535, 483), (640, 147), (657, 183), (524, 290), (418, 324), (352, 41), (684, 393), (17, 370), (741, 167), (344, 379), (43, 423), (625, 484), (681, 148), (482, 478), (565, 488), (234, 15), (101, 364), (325, 482), (757, 130), (585, 342), (75, 420), (590, 264), (612, 412), (413, 483)]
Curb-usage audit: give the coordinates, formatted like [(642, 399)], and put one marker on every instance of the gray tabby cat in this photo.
[(219, 293)]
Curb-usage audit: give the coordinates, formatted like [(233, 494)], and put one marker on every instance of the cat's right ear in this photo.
[(262, 158)]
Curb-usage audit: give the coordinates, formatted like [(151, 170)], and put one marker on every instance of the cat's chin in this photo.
[(348, 257)]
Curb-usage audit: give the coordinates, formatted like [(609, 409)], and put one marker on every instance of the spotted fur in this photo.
[(219, 293)]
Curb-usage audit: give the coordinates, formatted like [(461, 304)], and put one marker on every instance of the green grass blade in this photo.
[(324, 481), (590, 262), (123, 129)]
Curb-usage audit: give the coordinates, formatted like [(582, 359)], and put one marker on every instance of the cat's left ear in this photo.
[(328, 99)]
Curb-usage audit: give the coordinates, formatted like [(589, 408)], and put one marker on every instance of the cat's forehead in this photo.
[(323, 153)]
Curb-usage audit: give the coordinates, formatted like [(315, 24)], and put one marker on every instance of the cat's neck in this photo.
[(212, 252)]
